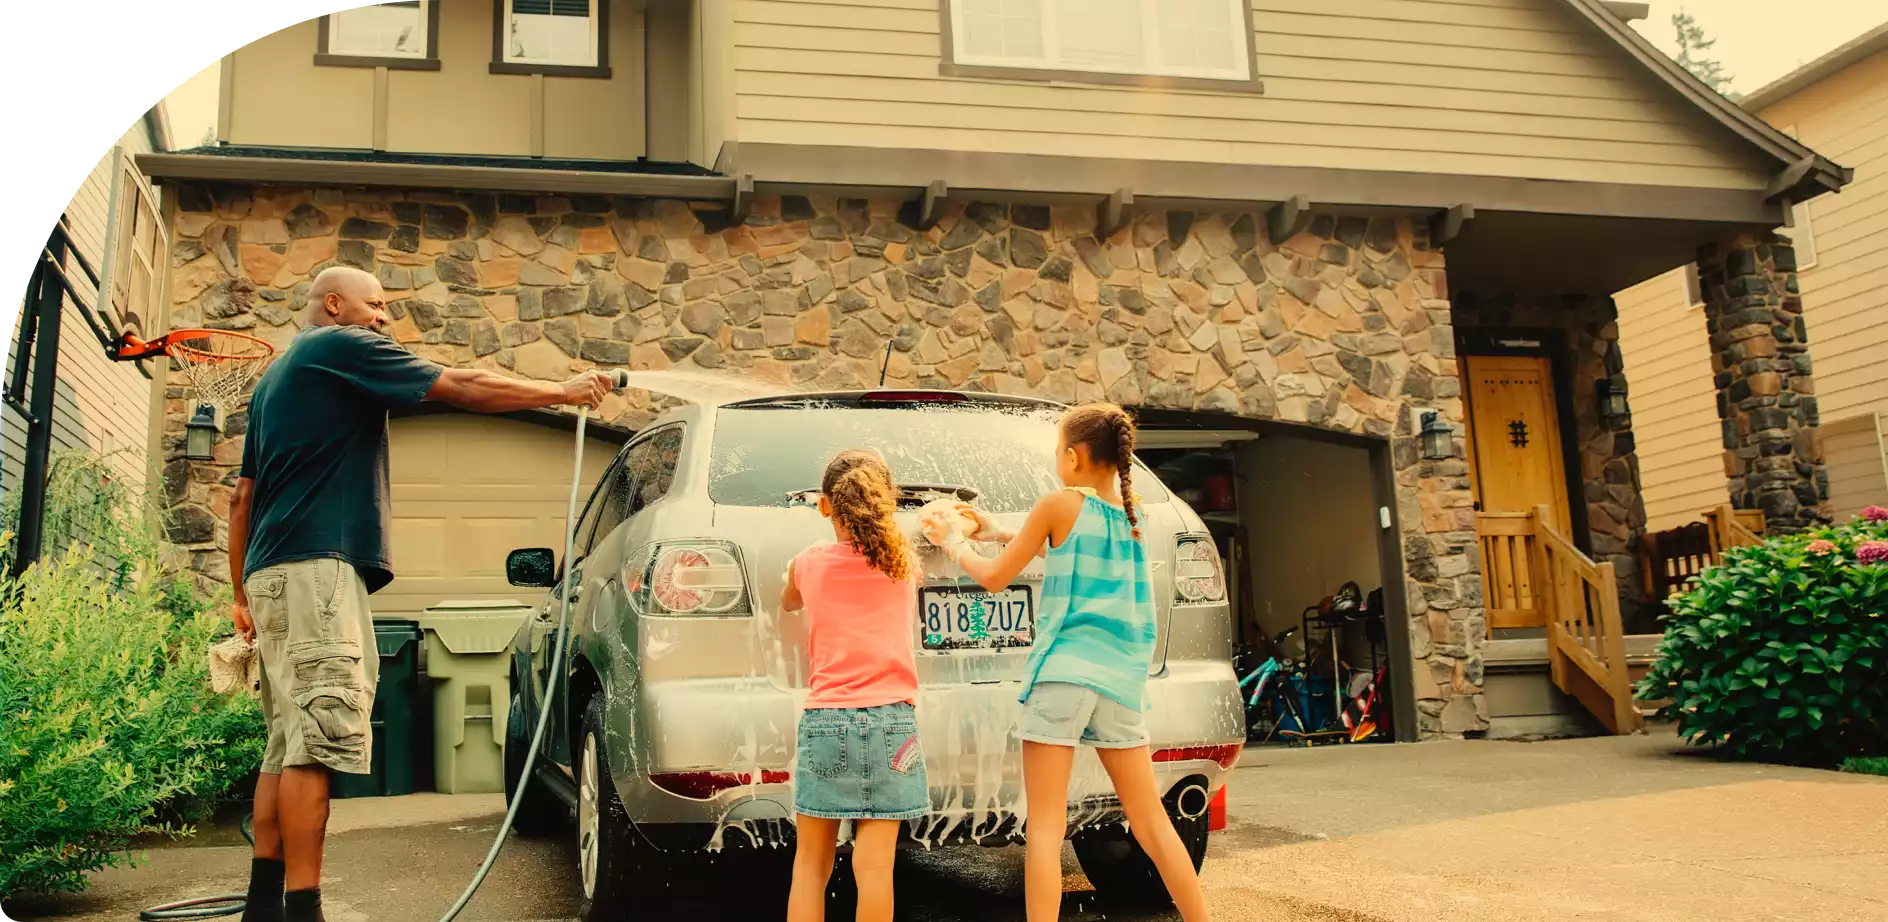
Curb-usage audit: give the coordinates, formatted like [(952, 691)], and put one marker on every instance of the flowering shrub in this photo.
[(107, 720), (1781, 651)]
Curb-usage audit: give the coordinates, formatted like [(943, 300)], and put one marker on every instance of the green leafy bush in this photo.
[(107, 720), (1781, 652), (1866, 765)]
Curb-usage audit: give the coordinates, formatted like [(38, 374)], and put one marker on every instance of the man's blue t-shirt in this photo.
[(317, 449)]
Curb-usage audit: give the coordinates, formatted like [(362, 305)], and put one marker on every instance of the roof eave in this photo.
[(1864, 46)]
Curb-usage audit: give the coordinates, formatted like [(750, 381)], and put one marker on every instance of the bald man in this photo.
[(308, 544)]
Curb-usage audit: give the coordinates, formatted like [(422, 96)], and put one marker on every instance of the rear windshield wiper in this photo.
[(910, 495)]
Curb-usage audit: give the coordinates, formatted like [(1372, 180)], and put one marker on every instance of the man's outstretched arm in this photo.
[(489, 392)]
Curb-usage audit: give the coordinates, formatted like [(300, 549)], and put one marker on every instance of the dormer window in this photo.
[(1167, 42)]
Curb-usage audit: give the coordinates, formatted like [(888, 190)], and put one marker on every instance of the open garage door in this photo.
[(468, 489)]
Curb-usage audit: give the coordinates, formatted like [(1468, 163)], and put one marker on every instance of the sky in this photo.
[(1761, 40), (1755, 41)]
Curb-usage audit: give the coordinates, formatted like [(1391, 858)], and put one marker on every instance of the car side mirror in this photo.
[(534, 567)]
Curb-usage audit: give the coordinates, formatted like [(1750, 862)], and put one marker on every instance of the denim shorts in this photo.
[(1065, 714), (860, 764)]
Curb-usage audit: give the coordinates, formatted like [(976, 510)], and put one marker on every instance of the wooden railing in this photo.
[(1508, 586), (1733, 528), (1584, 630), (1534, 576)]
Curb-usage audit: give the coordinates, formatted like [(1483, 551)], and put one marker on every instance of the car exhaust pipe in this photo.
[(1192, 802)]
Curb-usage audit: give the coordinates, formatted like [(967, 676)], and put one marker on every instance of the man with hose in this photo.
[(308, 542)]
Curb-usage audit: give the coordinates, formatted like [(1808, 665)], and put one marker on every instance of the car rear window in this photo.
[(763, 455)]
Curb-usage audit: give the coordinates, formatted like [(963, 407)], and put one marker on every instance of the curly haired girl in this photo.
[(859, 757)]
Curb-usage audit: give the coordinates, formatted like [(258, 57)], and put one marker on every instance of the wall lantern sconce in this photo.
[(1438, 437), (201, 433), (1612, 396)]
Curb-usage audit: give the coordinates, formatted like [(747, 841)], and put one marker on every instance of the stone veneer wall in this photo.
[(1605, 448), (1346, 326), (1766, 394)]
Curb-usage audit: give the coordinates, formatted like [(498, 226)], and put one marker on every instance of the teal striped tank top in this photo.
[(1095, 621)]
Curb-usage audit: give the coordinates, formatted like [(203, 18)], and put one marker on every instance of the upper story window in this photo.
[(1172, 42), (403, 35), (556, 37)]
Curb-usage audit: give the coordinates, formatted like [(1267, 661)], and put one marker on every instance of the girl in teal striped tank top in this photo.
[(1086, 678)]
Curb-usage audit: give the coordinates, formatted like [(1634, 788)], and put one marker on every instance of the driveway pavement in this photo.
[(1603, 829)]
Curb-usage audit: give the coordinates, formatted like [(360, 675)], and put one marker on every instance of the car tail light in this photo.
[(1216, 811), (1227, 754), (1197, 577), (705, 785), (689, 578)]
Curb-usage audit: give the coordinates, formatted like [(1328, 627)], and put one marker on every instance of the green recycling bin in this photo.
[(468, 657), (395, 704)]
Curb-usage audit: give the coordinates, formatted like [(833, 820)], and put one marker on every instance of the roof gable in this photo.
[(1802, 173)]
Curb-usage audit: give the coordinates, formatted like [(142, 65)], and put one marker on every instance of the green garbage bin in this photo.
[(468, 647), (395, 704)]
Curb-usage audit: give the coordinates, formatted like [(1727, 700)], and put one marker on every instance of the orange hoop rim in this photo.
[(173, 344)]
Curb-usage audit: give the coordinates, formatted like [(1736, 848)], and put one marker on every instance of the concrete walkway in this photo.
[(1630, 828)]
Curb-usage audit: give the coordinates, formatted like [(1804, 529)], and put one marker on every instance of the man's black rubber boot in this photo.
[(302, 905), (264, 903)]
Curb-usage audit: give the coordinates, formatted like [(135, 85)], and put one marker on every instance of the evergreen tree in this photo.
[(1692, 46)]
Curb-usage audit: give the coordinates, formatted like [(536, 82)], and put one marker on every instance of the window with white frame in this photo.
[(383, 31), (557, 33), (1199, 39), (1802, 234)]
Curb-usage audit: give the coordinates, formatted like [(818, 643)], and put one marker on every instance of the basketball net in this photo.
[(220, 364)]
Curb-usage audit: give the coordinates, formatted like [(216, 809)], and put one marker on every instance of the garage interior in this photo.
[(1297, 516)]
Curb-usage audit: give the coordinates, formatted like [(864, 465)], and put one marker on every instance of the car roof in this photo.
[(895, 396)]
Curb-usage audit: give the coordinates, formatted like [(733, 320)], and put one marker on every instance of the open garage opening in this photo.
[(1301, 517)]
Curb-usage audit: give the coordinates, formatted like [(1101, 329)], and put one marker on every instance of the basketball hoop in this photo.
[(220, 363)]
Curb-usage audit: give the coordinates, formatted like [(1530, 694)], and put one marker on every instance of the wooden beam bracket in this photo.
[(1288, 219), (743, 198), (1114, 213), (933, 212), (1786, 182), (1446, 225)]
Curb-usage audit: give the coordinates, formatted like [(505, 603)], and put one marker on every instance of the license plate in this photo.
[(968, 618)]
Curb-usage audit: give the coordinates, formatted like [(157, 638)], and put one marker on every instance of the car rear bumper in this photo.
[(972, 757)]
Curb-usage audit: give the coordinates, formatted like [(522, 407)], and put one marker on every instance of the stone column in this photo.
[(1766, 395)]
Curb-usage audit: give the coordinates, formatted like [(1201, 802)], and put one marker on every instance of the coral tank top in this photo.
[(860, 627)]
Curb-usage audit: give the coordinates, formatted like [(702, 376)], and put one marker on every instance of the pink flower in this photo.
[(1875, 514), (1820, 546), (1872, 552)]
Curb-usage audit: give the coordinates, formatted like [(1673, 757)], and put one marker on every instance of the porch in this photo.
[(1558, 609)]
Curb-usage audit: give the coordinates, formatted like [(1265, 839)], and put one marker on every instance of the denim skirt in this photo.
[(860, 764)]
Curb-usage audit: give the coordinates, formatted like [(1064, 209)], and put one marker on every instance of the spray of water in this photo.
[(705, 387)]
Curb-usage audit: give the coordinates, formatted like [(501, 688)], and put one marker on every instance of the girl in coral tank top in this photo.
[(858, 757)]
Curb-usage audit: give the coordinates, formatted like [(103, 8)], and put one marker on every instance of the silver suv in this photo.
[(674, 739)]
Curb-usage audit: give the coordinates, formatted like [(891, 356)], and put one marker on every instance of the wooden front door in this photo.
[(1514, 434)]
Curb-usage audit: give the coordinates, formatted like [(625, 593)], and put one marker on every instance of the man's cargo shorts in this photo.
[(315, 633)]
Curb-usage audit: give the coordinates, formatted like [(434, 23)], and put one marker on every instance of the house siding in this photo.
[(1674, 402), (1845, 307), (461, 108), (99, 405), (1399, 85)]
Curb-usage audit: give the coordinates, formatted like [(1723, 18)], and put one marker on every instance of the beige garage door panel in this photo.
[(1853, 450), (467, 490)]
